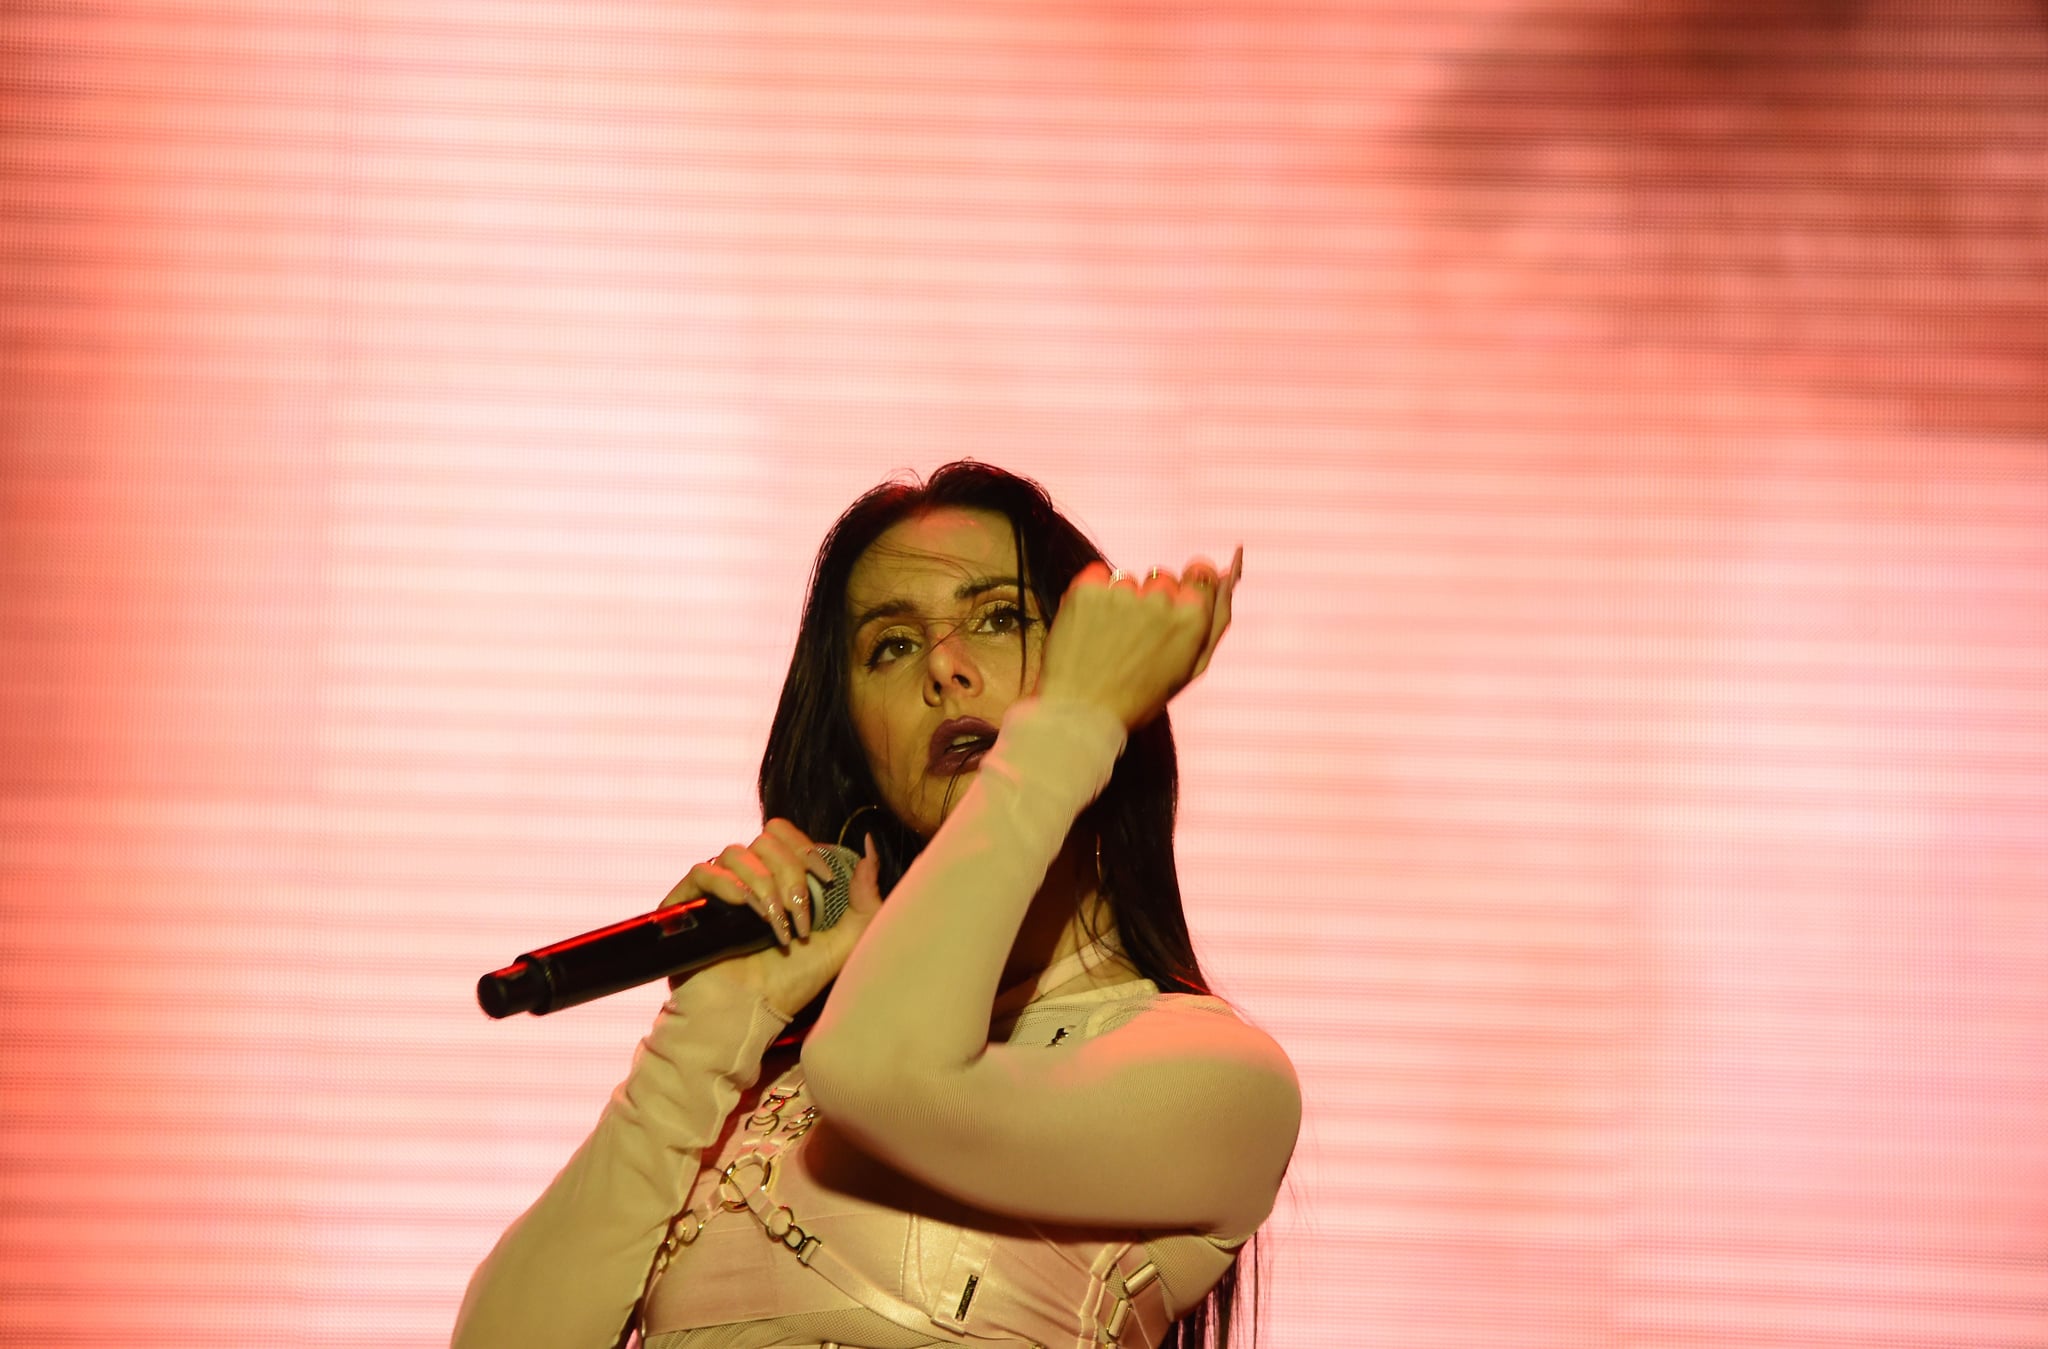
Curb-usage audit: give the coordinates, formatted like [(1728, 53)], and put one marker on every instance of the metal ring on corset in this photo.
[(767, 1165), (768, 1109)]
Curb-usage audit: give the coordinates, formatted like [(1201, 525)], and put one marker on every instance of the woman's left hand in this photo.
[(1130, 645)]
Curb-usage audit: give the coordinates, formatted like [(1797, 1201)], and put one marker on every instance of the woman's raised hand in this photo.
[(769, 877), (1130, 645)]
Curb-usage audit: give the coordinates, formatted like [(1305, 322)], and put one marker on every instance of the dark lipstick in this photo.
[(958, 745)]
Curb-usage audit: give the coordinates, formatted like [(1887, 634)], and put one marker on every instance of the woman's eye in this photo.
[(889, 648), (1004, 618)]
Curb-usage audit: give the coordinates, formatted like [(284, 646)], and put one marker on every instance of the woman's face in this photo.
[(945, 638)]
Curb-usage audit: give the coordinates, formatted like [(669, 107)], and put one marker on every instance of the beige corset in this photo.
[(792, 1236)]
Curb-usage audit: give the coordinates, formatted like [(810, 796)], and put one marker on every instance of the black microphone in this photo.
[(676, 940)]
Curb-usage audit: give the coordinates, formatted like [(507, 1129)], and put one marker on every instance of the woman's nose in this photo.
[(949, 664)]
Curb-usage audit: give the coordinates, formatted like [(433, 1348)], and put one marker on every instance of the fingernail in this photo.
[(868, 846)]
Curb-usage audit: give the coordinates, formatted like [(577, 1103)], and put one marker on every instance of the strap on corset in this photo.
[(782, 1226)]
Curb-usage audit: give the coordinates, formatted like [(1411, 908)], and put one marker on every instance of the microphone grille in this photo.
[(830, 902)]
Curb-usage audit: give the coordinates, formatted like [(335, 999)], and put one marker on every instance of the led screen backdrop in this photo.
[(1625, 790)]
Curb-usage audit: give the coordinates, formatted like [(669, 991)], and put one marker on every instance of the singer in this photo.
[(1020, 1118)]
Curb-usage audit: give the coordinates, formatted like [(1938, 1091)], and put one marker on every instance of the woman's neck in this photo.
[(1068, 907)]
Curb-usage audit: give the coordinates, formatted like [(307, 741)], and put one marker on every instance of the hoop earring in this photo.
[(845, 828)]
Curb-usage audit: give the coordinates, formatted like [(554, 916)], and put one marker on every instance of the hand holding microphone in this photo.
[(779, 916), (817, 931)]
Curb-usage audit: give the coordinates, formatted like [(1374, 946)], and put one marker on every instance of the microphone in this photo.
[(675, 940)]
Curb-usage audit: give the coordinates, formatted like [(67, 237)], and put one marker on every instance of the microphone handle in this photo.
[(676, 940)]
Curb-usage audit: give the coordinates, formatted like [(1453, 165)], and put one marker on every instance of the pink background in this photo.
[(1623, 791)]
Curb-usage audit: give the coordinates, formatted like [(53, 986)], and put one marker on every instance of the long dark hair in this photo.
[(814, 772)]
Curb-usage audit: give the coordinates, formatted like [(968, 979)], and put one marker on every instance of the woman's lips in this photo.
[(958, 745)]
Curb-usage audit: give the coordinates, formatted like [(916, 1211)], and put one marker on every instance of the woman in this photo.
[(1018, 1120)]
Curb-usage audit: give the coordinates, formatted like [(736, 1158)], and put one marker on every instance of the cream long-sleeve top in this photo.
[(950, 1163)]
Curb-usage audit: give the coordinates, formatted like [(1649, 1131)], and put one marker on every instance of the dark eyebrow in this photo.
[(972, 588)]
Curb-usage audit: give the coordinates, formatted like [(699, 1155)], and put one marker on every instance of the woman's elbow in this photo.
[(867, 1095), (842, 1077)]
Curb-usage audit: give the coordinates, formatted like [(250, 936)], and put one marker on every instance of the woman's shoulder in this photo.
[(1205, 1027), (1146, 999), (1197, 1002)]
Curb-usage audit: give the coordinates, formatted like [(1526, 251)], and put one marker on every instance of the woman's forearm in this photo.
[(914, 997), (570, 1270)]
